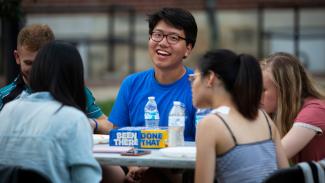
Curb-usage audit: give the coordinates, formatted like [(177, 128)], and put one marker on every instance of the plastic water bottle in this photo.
[(200, 113), (151, 114), (176, 124)]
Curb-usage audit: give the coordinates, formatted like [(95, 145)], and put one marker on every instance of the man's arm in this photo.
[(103, 126), (98, 120)]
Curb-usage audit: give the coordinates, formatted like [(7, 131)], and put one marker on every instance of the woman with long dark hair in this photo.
[(238, 142), (48, 129)]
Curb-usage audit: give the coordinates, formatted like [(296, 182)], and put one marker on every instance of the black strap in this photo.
[(268, 123), (224, 122)]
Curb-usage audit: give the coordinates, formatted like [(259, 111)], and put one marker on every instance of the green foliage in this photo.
[(106, 106)]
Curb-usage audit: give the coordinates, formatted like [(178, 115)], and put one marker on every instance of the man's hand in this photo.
[(104, 126)]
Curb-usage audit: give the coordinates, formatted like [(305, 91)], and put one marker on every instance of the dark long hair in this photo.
[(58, 69), (241, 75)]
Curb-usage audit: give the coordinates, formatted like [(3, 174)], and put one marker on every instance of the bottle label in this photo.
[(176, 121), (175, 136), (151, 115)]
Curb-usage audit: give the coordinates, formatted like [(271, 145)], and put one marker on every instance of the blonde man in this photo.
[(30, 39)]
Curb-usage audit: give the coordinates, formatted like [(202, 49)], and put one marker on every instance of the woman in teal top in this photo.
[(237, 141)]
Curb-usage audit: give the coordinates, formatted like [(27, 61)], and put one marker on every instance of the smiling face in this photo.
[(24, 58), (165, 55), (269, 97)]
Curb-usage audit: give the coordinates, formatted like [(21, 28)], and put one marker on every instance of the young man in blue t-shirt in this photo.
[(30, 39), (172, 36)]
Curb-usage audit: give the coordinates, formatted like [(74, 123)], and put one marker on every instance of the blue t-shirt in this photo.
[(93, 111), (128, 109)]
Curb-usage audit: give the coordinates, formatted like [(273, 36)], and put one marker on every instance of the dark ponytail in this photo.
[(248, 86), (241, 75)]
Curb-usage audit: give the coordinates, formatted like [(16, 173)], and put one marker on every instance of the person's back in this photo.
[(48, 130), (245, 157), (46, 136), (237, 142)]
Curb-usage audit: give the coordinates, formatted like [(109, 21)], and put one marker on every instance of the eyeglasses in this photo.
[(171, 38), (191, 77)]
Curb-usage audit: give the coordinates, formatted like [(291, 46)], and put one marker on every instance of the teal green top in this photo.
[(11, 92)]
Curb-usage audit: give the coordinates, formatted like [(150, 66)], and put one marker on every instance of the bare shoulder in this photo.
[(210, 121), (208, 132), (211, 125), (270, 121)]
